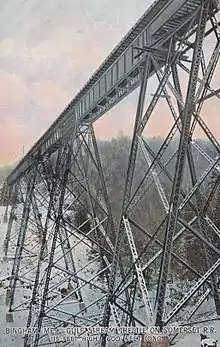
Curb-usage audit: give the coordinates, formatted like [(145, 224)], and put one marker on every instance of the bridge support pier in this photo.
[(9, 317), (121, 236)]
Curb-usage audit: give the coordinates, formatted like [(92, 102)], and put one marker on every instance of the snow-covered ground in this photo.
[(89, 266)]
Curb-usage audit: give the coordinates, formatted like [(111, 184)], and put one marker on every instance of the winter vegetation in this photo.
[(149, 212), (114, 156)]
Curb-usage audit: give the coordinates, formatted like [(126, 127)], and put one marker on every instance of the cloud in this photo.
[(12, 139), (10, 47), (13, 92), (49, 96), (48, 50)]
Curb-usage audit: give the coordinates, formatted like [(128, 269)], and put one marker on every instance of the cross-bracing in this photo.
[(92, 273)]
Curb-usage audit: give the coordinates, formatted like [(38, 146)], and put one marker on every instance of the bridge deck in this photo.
[(117, 76)]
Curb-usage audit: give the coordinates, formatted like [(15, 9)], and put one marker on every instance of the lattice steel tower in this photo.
[(92, 273)]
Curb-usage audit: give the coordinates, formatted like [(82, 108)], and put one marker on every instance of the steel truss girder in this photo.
[(46, 312), (127, 191), (55, 236), (21, 235), (53, 190), (84, 153), (202, 225), (63, 234), (122, 87), (184, 139)]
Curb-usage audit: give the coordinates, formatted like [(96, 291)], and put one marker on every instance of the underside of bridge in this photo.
[(80, 264)]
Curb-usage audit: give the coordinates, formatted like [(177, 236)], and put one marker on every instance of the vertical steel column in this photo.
[(106, 197), (201, 221), (54, 241), (180, 162), (102, 181), (22, 234), (44, 241), (65, 245), (14, 192), (127, 192), (203, 230), (37, 216), (69, 259), (85, 166)]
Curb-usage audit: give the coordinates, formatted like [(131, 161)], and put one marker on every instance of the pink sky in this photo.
[(48, 50)]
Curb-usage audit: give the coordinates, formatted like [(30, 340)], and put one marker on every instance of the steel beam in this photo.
[(66, 175), (182, 151)]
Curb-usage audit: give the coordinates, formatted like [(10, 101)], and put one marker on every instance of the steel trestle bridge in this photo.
[(57, 177)]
